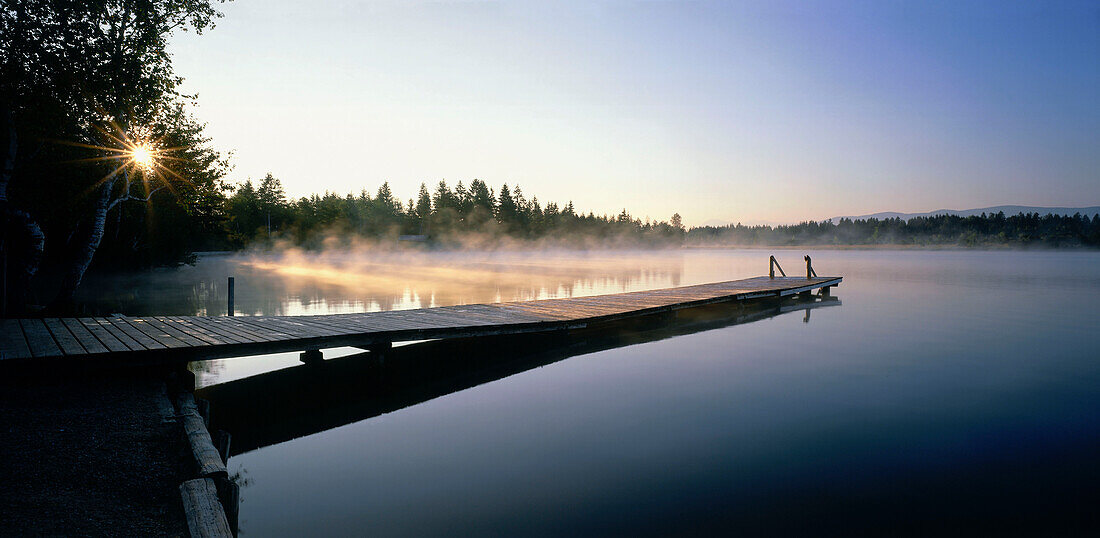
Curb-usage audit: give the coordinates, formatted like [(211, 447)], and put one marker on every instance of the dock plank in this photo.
[(154, 332), (224, 333), (294, 330), (191, 330), (39, 339), (84, 336), (119, 334), (65, 339), (174, 332), (256, 334), (145, 340), (13, 344), (104, 336)]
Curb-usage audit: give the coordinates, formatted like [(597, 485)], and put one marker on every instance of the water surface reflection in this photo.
[(278, 406), (295, 283), (954, 393)]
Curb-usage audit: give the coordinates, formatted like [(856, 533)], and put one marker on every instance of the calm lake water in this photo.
[(945, 392)]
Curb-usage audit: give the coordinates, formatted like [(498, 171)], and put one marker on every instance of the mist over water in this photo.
[(949, 392), (296, 282)]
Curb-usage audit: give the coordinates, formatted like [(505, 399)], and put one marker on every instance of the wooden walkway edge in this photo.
[(100, 341), (205, 516)]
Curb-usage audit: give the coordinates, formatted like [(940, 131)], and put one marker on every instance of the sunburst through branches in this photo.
[(136, 154), (144, 156)]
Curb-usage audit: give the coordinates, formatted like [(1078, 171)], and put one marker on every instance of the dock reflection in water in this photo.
[(278, 406)]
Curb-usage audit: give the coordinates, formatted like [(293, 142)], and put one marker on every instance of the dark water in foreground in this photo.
[(947, 393)]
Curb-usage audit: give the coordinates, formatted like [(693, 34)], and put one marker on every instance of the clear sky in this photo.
[(743, 111)]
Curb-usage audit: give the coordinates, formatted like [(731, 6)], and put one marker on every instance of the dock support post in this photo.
[(221, 440), (378, 351), (311, 356), (809, 269), (229, 494), (231, 296), (380, 347), (181, 379), (825, 291), (203, 407)]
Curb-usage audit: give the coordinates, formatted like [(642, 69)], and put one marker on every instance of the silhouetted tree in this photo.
[(423, 207), (91, 74)]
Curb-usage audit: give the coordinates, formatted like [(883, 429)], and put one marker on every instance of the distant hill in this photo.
[(718, 223), (1008, 211)]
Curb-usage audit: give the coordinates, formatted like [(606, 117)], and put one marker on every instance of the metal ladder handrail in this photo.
[(810, 273), (772, 265)]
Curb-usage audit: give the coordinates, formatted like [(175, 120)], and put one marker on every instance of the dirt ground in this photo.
[(89, 457)]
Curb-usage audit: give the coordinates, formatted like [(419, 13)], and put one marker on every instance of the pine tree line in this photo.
[(443, 216)]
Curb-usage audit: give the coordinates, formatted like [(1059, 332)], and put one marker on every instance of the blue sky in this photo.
[(739, 111)]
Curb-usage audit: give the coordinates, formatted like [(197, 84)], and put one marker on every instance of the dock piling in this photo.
[(229, 493), (221, 439), (380, 347), (311, 356), (231, 296)]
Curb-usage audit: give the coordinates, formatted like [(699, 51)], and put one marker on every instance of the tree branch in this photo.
[(129, 197)]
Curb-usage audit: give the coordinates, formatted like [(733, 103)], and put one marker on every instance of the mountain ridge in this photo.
[(1008, 210)]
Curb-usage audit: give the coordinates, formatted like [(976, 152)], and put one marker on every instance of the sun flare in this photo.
[(143, 156)]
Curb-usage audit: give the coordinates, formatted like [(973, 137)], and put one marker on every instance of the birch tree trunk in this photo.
[(86, 243)]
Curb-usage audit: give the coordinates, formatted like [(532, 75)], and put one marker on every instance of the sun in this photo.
[(143, 155)]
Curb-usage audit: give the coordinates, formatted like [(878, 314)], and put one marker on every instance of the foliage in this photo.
[(187, 215), (80, 82)]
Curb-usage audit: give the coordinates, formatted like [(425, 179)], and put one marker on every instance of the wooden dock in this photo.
[(104, 341), (287, 403)]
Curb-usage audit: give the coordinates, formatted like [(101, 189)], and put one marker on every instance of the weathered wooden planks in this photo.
[(204, 513), (136, 335), (13, 345), (208, 462), (39, 339), (162, 338), (87, 340), (65, 339)]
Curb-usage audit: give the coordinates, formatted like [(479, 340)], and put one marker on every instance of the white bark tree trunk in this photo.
[(87, 242)]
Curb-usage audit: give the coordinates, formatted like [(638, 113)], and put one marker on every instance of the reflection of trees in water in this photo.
[(159, 292), (299, 284), (206, 371)]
